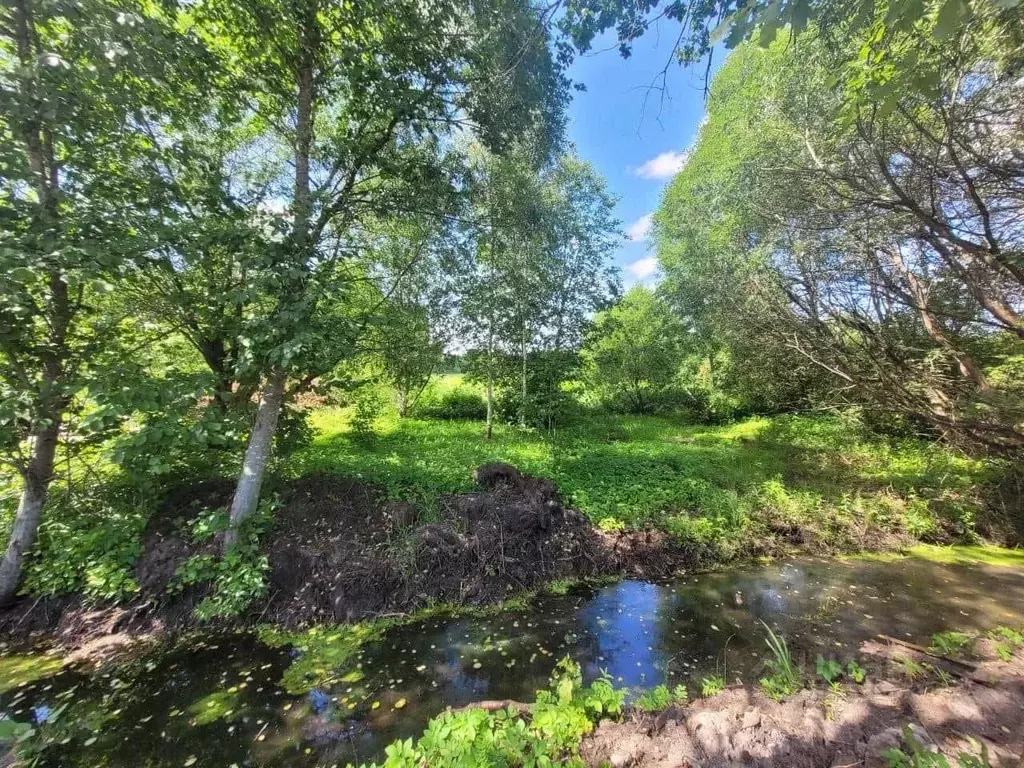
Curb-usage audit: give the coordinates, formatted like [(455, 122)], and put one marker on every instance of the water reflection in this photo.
[(221, 701)]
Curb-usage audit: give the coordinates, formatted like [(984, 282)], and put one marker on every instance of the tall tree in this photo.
[(349, 95), (877, 243), (871, 71), (634, 348), (86, 89), (544, 236)]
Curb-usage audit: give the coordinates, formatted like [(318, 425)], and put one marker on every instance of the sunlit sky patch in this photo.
[(636, 133)]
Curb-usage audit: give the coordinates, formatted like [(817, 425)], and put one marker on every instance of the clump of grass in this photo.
[(952, 644), (836, 696), (944, 678), (784, 679), (712, 685), (561, 586), (1008, 641), (910, 669), (661, 697)]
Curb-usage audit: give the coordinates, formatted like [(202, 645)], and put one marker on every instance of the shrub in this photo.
[(473, 738), (88, 543), (239, 578), (368, 405), (455, 404)]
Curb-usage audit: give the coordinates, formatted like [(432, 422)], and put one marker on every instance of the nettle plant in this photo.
[(238, 578), (474, 738)]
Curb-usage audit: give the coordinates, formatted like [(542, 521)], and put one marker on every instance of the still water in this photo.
[(230, 699)]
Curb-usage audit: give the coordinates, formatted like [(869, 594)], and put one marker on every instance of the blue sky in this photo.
[(637, 147)]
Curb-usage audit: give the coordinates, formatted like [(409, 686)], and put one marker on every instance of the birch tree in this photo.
[(86, 90), (347, 95)]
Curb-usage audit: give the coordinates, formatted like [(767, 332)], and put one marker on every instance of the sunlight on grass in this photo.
[(970, 555), (703, 483), (20, 670)]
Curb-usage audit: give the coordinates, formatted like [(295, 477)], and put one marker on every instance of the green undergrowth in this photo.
[(558, 720), (17, 670), (722, 486), (661, 697), (756, 487)]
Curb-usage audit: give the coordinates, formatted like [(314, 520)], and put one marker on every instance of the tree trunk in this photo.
[(36, 475), (932, 327), (261, 441), (36, 479), (522, 409), (257, 456), (490, 385)]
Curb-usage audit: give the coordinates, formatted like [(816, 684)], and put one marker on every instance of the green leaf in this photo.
[(22, 275), (799, 15), (719, 32), (12, 729), (950, 16), (769, 24)]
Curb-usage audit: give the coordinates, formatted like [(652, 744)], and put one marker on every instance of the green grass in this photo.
[(969, 555), (705, 483), (18, 670), (745, 489)]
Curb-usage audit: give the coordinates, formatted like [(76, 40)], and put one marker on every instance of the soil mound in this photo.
[(166, 542), (340, 553)]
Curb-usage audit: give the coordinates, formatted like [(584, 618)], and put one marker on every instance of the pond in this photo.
[(233, 699)]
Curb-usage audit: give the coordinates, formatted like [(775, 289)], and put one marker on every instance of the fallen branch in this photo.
[(928, 652), (493, 705)]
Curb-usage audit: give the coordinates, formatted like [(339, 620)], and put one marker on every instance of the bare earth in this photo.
[(815, 728)]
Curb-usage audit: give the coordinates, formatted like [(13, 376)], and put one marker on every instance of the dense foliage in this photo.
[(227, 226), (558, 720), (862, 254)]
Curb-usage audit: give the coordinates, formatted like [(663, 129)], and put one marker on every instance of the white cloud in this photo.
[(640, 228), (664, 166), (643, 268)]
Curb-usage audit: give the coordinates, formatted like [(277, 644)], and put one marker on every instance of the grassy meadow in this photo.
[(713, 484)]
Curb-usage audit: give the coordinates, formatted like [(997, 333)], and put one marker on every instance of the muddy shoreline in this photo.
[(340, 551), (823, 728)]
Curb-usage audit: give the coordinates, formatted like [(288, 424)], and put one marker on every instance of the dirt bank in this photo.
[(340, 551), (818, 728)]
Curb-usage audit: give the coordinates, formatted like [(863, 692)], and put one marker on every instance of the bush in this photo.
[(455, 404), (474, 738), (88, 543), (239, 578)]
